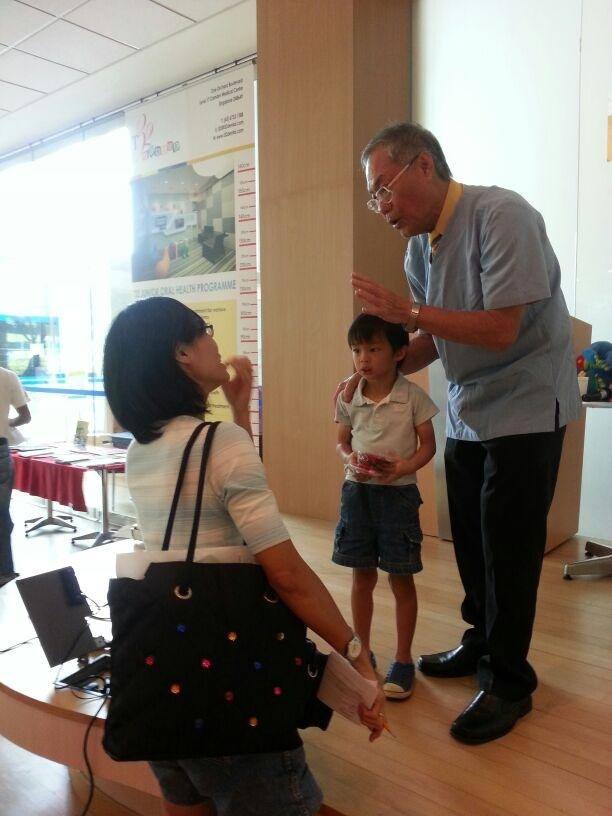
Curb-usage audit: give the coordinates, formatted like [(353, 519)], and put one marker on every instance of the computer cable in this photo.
[(16, 645), (90, 776)]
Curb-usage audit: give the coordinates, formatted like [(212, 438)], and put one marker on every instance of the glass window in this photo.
[(65, 268)]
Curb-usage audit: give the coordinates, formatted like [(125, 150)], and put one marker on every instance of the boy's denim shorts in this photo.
[(276, 784), (379, 527)]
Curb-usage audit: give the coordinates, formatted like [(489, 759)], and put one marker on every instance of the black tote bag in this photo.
[(206, 659)]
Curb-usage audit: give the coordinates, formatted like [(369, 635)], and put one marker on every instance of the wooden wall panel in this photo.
[(329, 75)]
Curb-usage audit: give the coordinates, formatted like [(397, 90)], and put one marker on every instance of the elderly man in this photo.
[(485, 299)]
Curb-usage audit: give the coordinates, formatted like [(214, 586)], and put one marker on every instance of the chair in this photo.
[(598, 561), (216, 251)]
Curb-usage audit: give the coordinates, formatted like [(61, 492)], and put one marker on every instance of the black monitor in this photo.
[(57, 609)]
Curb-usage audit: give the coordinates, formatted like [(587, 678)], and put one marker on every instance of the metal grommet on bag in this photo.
[(270, 596), (183, 593)]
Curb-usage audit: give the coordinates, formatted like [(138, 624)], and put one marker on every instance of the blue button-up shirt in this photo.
[(495, 253)]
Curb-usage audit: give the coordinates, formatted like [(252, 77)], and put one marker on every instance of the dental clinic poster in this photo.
[(194, 207)]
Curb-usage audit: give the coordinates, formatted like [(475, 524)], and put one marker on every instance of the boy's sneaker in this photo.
[(399, 681), (373, 661)]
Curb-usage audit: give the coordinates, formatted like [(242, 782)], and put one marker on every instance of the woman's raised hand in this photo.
[(238, 390)]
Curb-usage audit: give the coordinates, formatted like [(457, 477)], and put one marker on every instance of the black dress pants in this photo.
[(499, 493)]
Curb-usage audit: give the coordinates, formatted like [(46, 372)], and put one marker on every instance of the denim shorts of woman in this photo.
[(275, 784)]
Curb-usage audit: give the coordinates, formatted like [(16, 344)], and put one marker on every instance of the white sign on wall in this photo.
[(211, 117)]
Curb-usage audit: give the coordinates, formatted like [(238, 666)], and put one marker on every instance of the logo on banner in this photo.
[(143, 143)]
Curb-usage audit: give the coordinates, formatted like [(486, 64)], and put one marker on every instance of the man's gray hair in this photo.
[(405, 140)]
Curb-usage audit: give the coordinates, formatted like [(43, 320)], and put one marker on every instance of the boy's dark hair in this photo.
[(365, 327), (144, 384)]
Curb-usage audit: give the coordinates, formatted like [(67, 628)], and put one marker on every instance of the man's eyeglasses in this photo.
[(384, 194)]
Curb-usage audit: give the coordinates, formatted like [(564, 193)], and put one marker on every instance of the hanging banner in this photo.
[(194, 210)]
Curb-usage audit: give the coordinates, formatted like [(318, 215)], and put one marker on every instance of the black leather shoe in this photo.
[(488, 717), (459, 662)]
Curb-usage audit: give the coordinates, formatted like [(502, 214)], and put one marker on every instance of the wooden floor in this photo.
[(557, 761)]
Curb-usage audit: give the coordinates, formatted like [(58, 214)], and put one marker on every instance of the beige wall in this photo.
[(329, 75), (534, 121)]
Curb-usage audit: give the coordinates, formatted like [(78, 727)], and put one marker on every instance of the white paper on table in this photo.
[(343, 688)]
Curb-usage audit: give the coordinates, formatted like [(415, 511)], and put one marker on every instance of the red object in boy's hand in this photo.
[(370, 461)]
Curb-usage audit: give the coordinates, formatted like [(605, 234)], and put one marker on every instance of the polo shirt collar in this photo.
[(399, 393), (453, 194)]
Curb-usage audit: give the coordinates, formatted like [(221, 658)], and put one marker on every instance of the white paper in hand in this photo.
[(343, 688)]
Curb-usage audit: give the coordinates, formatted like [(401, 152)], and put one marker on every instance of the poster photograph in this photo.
[(184, 221)]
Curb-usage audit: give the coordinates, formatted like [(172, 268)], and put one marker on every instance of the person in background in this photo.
[(160, 364), (389, 417), (12, 395)]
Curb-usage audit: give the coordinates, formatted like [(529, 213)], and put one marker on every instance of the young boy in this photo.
[(389, 417)]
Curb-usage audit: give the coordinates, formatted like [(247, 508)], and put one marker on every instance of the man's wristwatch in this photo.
[(352, 650), (411, 325)]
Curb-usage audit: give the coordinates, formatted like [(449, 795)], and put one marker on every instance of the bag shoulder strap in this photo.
[(179, 483), (198, 507)]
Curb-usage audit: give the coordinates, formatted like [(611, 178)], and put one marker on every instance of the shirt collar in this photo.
[(453, 194), (399, 392)]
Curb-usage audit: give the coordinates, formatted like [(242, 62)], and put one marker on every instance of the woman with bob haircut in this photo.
[(160, 365)]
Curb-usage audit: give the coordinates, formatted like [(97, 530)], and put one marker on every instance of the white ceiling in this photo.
[(46, 45)]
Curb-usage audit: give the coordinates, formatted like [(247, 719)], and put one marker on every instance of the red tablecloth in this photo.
[(43, 476)]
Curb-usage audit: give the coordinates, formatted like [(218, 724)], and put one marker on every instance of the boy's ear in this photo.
[(399, 355)]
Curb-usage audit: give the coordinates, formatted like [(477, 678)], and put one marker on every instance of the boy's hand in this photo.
[(361, 474), (394, 467)]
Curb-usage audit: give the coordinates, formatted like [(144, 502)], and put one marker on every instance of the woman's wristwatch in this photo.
[(352, 650), (411, 325)]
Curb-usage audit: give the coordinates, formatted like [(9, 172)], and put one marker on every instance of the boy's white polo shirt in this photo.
[(388, 425)]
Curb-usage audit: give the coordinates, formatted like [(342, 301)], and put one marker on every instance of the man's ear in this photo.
[(425, 164)]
